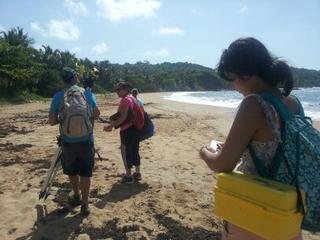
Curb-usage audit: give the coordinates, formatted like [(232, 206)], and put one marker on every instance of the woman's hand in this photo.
[(107, 128), (220, 146), (206, 152), (210, 155)]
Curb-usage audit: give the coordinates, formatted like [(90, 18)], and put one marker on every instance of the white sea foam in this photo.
[(309, 97), (313, 115), (196, 98)]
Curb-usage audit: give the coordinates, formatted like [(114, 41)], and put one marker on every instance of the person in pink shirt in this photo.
[(128, 133)]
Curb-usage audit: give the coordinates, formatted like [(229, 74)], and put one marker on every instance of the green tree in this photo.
[(53, 61), (18, 68), (16, 37)]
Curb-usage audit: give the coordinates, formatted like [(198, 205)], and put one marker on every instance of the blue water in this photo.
[(310, 98)]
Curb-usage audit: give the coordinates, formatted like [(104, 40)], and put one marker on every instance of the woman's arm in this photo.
[(244, 127), (123, 111), (53, 119), (96, 113), (123, 115)]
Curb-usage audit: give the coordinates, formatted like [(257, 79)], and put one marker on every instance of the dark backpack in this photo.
[(297, 160), (75, 114), (147, 131)]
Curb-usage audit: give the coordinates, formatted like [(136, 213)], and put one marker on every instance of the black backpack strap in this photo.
[(300, 201), (263, 171), (294, 177), (301, 110), (285, 114), (260, 166)]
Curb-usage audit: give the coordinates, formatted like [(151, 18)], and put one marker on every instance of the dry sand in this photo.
[(173, 201)]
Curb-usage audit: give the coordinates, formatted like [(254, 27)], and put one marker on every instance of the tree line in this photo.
[(24, 69)]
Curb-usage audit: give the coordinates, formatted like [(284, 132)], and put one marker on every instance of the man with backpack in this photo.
[(75, 109), (129, 118)]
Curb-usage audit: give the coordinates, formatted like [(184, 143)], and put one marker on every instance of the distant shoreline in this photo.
[(192, 108)]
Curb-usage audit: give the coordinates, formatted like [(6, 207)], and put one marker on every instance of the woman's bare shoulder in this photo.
[(291, 103), (251, 102), (250, 107)]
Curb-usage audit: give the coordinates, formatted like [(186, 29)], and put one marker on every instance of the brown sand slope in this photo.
[(174, 200)]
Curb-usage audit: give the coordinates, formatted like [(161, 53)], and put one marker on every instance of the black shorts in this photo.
[(78, 158)]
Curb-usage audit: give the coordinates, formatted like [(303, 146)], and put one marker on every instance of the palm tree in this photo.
[(16, 37)]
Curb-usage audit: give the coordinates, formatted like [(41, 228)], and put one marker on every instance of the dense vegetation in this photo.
[(26, 70)]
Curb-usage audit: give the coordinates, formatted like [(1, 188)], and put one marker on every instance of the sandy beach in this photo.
[(173, 201)]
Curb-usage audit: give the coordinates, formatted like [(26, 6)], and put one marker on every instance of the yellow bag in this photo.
[(264, 207)]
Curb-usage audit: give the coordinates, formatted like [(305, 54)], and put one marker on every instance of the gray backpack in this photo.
[(76, 115)]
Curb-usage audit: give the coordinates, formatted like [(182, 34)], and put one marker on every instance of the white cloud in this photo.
[(76, 7), (35, 26), (187, 58), (2, 29), (64, 30), (75, 50), (163, 52), (115, 10), (100, 48), (170, 31), (243, 9)]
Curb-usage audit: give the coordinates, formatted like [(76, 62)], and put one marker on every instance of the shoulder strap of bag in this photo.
[(261, 168), (301, 111), (284, 112)]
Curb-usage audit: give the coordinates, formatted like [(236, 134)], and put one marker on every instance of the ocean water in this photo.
[(310, 98)]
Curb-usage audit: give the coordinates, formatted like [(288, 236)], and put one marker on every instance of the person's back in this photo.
[(76, 114), (75, 110)]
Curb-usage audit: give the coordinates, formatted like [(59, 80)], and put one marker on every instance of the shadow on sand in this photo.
[(120, 192), (110, 230), (54, 225), (177, 231)]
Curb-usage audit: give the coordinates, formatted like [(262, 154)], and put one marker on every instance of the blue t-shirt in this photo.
[(55, 108)]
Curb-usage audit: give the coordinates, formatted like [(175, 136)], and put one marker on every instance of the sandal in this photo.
[(85, 210), (75, 200), (137, 177), (127, 179)]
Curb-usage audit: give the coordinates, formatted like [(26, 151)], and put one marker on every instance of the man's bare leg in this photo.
[(85, 187), (74, 182)]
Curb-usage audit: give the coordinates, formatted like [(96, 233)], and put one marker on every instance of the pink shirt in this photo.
[(126, 101)]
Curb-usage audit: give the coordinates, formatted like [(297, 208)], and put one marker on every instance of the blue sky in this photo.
[(169, 30)]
